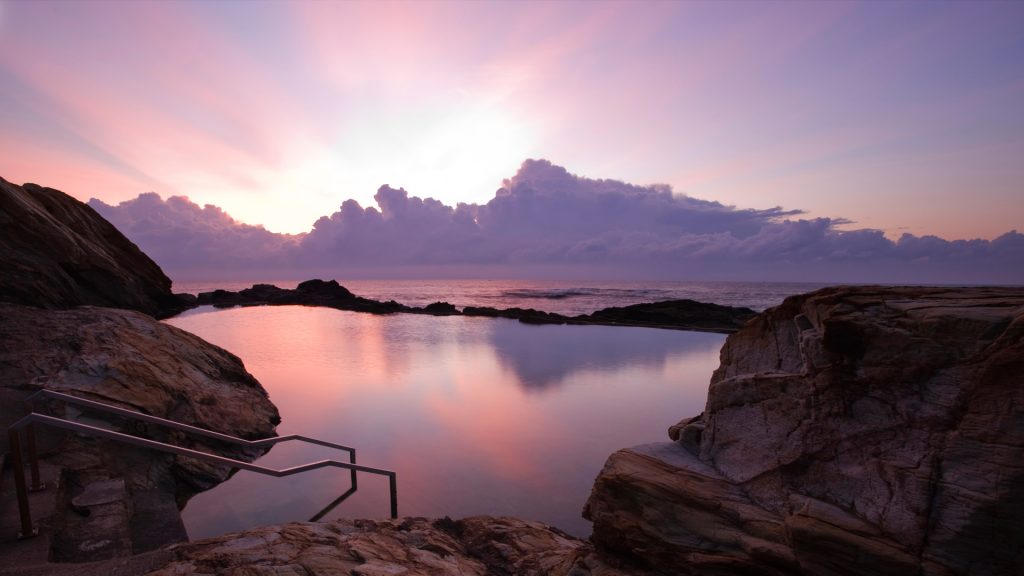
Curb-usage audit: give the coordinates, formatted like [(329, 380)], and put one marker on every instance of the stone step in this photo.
[(92, 519), (87, 526), (155, 521)]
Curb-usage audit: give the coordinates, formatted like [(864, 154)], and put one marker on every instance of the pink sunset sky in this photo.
[(897, 117)]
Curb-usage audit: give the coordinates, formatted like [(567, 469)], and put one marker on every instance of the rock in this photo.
[(328, 290), (328, 294), (130, 360), (848, 431), (441, 309), (56, 252), (411, 547), (524, 315), (690, 314)]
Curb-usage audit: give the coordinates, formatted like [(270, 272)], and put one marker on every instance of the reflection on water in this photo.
[(476, 415)]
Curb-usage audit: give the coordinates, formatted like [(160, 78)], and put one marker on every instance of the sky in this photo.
[(547, 223), (903, 117)]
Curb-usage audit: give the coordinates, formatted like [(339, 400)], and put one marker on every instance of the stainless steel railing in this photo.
[(28, 425)]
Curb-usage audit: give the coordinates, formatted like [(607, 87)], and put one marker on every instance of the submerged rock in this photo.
[(56, 252), (847, 431)]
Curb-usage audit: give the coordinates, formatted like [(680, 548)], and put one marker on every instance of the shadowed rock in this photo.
[(130, 360), (690, 314), (847, 431), (56, 252)]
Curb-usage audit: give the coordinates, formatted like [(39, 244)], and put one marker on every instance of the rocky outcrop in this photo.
[(690, 314), (481, 546), (326, 293), (849, 431), (675, 314), (130, 360), (56, 252)]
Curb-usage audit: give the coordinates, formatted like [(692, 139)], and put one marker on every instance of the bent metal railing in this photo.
[(28, 422)]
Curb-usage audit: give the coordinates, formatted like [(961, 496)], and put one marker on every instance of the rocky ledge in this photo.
[(480, 546), (848, 431), (130, 360), (675, 314), (56, 252)]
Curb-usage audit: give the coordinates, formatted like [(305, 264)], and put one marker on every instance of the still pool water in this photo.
[(476, 415)]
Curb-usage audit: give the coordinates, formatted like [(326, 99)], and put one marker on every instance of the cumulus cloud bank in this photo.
[(546, 222)]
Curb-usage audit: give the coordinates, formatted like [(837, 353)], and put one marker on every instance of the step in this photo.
[(92, 519), (156, 521)]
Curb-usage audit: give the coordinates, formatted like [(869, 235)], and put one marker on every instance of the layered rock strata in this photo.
[(848, 431), (56, 252)]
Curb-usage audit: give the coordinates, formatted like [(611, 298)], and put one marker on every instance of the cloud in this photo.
[(182, 236), (544, 221)]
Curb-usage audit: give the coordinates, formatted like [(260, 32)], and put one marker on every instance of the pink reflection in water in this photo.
[(477, 416)]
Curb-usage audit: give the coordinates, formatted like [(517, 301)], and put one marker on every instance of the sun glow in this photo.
[(456, 154)]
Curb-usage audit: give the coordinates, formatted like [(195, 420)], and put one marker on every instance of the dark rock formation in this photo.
[(56, 252), (673, 313), (130, 360), (328, 294), (524, 315), (848, 431), (676, 314)]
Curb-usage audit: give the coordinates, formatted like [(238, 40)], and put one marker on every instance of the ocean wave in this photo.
[(567, 293)]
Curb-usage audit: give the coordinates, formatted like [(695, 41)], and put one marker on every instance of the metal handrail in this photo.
[(28, 422), (185, 427)]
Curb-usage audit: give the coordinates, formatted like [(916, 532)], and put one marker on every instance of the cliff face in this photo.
[(848, 431), (56, 252)]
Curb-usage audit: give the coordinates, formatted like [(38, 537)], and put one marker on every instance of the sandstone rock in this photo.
[(127, 359), (409, 547), (848, 431), (56, 252)]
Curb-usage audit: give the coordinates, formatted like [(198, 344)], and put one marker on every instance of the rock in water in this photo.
[(56, 252), (848, 431)]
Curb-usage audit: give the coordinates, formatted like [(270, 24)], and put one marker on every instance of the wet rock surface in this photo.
[(676, 314), (56, 252), (848, 431)]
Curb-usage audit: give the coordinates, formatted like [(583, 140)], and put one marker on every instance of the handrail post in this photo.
[(393, 479), (352, 460), (33, 459), (18, 469)]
